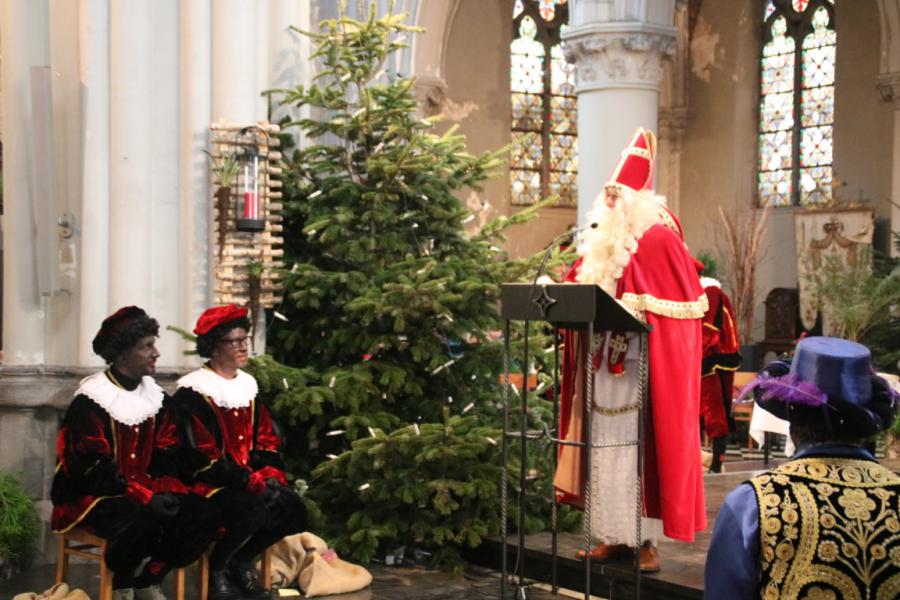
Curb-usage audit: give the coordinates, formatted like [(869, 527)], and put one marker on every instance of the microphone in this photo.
[(573, 231)]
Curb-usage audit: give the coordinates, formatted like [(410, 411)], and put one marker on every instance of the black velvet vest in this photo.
[(829, 530)]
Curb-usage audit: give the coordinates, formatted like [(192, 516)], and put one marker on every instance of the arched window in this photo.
[(544, 154), (796, 107)]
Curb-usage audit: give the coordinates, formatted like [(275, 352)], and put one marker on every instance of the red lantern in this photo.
[(249, 206)]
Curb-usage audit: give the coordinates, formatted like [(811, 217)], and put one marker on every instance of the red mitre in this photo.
[(635, 168), (218, 315), (114, 323)]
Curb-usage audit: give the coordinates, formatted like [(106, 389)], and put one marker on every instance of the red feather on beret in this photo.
[(218, 315)]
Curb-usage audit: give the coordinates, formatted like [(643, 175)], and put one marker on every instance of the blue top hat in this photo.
[(840, 368)]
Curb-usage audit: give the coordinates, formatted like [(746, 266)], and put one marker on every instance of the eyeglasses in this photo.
[(236, 342)]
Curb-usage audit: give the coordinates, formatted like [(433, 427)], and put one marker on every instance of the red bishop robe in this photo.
[(660, 285), (721, 358)]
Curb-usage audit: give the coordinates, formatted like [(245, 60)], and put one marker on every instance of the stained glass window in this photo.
[(544, 150), (796, 108)]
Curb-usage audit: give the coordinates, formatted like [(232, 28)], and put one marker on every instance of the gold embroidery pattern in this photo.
[(829, 529), (638, 304)]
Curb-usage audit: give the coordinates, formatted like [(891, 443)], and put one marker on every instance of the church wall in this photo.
[(477, 99), (719, 159), (863, 134)]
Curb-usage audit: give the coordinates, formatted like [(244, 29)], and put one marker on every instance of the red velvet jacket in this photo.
[(236, 448), (99, 457)]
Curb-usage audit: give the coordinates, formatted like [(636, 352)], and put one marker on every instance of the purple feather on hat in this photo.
[(789, 389)]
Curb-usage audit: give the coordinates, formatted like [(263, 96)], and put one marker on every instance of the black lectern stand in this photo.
[(565, 306)]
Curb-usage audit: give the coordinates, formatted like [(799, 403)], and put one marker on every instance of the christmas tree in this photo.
[(385, 363)]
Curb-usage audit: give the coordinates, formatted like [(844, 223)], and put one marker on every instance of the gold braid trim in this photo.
[(621, 410), (638, 304), (843, 471), (669, 222)]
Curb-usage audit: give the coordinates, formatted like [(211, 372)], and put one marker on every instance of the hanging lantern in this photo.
[(249, 209)]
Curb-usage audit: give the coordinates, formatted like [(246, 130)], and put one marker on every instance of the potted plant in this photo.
[(19, 525), (225, 169)]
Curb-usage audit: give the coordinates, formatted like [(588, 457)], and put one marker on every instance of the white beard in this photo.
[(607, 249)]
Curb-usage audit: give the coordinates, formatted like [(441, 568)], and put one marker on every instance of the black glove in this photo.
[(164, 506), (104, 479)]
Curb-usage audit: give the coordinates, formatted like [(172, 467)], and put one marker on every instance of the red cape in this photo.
[(661, 285)]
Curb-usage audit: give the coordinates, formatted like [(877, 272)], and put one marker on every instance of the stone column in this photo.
[(130, 155), (93, 29), (195, 115), (618, 52), (673, 113), (889, 88), (234, 62), (24, 42)]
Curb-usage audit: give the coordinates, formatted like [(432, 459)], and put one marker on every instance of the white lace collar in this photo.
[(130, 407), (227, 393)]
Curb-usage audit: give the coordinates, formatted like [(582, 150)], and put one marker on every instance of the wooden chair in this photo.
[(80, 542)]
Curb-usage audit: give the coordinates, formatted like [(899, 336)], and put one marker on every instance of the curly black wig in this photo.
[(207, 342), (122, 331)]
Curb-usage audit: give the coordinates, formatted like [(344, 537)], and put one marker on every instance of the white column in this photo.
[(618, 69), (131, 154), (162, 184), (196, 113), (235, 45), (93, 26), (287, 63), (889, 88), (24, 28)]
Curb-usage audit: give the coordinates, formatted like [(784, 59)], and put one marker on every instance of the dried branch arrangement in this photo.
[(740, 244)]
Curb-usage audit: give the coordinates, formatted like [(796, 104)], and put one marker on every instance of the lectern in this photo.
[(586, 308)]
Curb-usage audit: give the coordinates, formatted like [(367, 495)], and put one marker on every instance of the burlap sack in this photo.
[(304, 559), (60, 591)]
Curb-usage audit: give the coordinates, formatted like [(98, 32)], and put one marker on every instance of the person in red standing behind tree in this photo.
[(234, 448), (721, 358), (637, 254)]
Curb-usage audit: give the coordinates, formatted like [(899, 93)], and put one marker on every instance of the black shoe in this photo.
[(221, 587), (244, 578)]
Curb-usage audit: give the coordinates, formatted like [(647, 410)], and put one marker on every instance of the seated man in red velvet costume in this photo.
[(234, 451), (117, 470)]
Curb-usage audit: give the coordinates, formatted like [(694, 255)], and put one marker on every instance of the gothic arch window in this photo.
[(544, 149), (796, 107)]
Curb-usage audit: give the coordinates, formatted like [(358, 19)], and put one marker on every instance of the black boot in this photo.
[(221, 588), (719, 447), (243, 576)]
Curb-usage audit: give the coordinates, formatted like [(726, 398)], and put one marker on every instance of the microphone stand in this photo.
[(543, 266)]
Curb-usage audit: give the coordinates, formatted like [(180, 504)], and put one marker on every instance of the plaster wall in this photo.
[(476, 68), (115, 152), (719, 159)]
